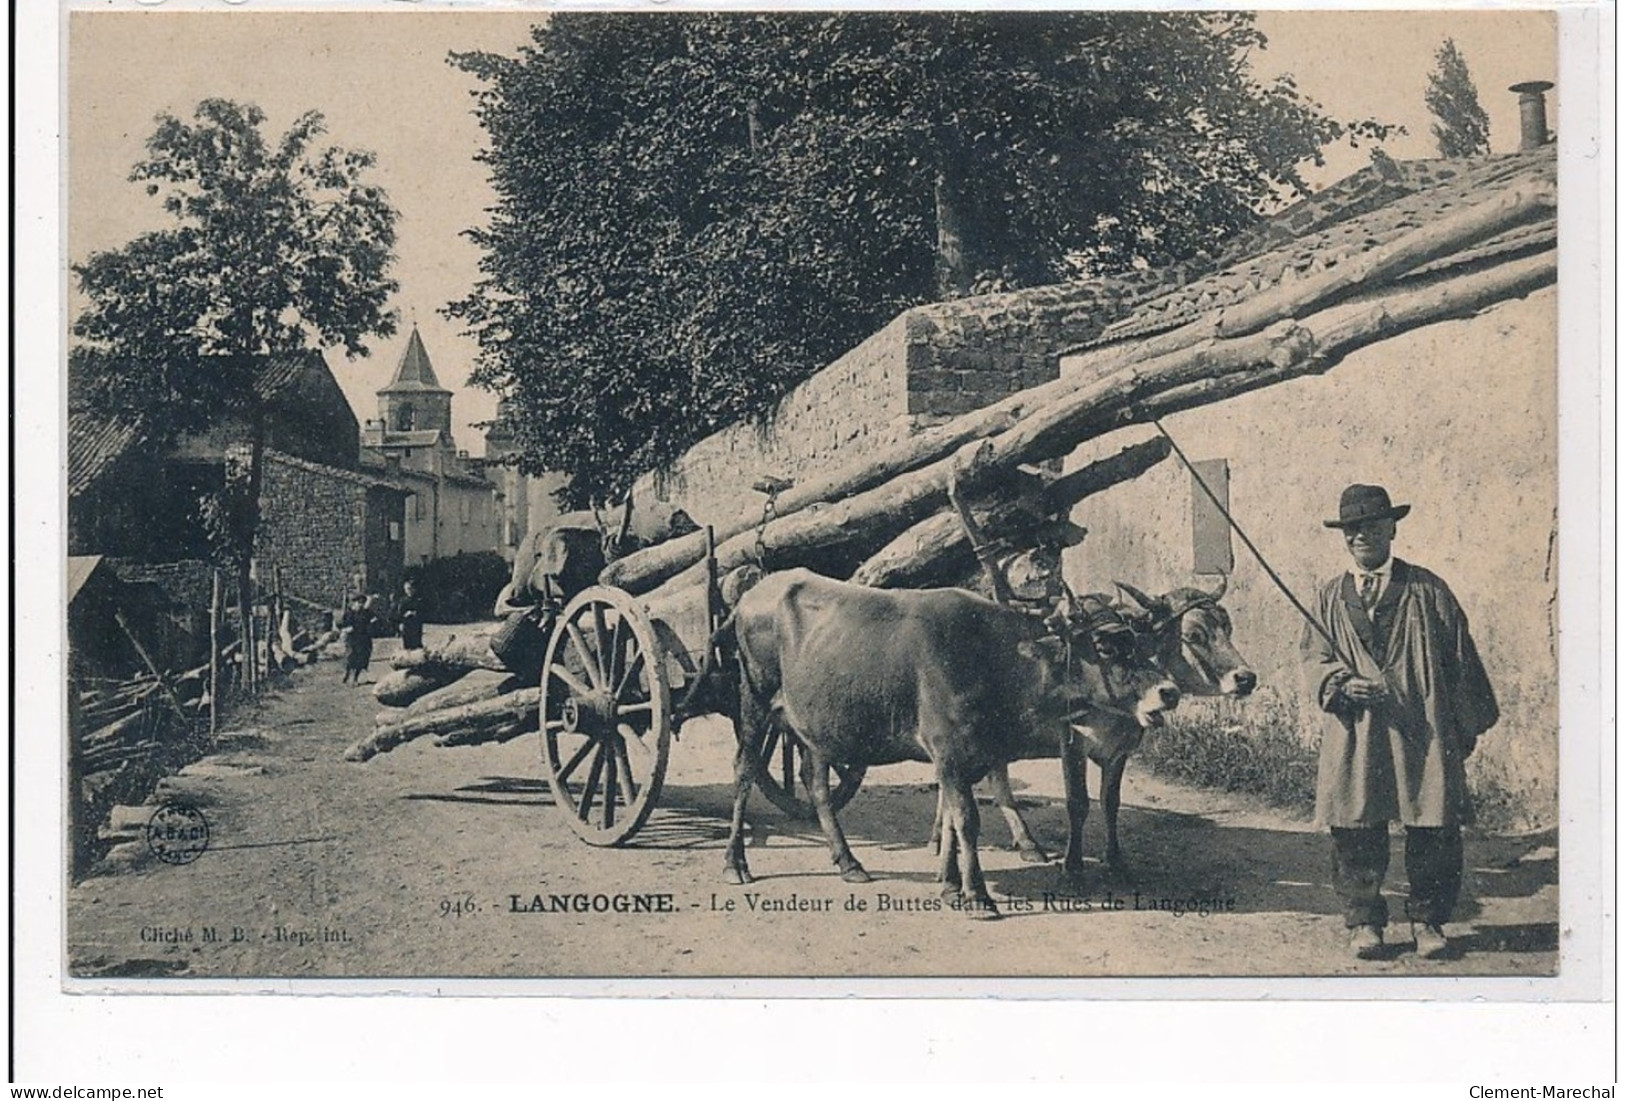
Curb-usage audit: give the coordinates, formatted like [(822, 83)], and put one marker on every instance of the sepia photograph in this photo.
[(809, 494)]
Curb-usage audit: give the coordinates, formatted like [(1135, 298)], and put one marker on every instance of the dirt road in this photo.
[(429, 862)]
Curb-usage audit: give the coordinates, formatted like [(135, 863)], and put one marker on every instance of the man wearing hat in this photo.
[(1404, 699)]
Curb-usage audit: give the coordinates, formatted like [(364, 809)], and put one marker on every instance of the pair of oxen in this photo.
[(862, 676)]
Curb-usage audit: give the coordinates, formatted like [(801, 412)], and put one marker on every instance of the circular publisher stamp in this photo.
[(177, 833)]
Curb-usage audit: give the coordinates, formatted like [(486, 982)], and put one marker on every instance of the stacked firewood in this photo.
[(461, 693)]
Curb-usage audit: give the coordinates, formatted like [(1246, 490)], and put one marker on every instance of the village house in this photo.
[(524, 500), (330, 527)]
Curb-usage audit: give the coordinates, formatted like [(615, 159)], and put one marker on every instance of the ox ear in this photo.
[(1137, 600)]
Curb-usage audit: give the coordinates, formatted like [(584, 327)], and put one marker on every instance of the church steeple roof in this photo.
[(414, 374)]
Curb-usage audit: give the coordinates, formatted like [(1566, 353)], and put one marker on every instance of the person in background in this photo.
[(410, 615), (355, 626), (1403, 700)]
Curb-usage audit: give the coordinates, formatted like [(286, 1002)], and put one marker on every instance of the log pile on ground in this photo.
[(461, 693)]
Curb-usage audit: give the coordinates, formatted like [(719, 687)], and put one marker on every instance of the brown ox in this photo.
[(1189, 632), (869, 677)]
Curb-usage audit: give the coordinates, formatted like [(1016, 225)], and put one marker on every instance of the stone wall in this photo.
[(1459, 420), (327, 529), (929, 364), (188, 583)]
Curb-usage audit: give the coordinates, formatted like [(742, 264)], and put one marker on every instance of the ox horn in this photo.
[(1218, 594), (1147, 605)]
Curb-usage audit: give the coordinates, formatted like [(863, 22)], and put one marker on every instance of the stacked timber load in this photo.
[(478, 687), (885, 520)]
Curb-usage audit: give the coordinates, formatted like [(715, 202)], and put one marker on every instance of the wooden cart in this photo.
[(616, 667)]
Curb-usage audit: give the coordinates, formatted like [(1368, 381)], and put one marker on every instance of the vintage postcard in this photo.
[(583, 495)]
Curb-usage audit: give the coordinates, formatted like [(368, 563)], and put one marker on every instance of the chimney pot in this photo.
[(1532, 113)]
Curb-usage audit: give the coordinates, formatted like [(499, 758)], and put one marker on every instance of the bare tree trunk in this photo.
[(953, 279)]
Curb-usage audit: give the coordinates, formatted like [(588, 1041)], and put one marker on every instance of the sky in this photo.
[(383, 83)]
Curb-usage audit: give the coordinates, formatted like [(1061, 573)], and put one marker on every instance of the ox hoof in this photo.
[(1034, 855), (739, 876), (857, 875), (1073, 878), (1117, 872)]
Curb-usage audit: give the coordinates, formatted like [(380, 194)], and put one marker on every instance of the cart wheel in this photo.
[(781, 773), (606, 715)]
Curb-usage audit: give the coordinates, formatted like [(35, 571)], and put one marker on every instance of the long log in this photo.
[(403, 686), (481, 684), (504, 709), (1291, 299), (463, 653), (644, 570), (937, 552), (1133, 395), (479, 735)]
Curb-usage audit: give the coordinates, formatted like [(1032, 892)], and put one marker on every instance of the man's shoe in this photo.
[(1365, 941), (1430, 942)]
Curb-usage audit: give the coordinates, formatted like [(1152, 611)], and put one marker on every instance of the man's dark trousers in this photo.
[(1433, 862)]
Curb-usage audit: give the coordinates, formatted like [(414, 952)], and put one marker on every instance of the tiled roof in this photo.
[(95, 443), (354, 477), (1352, 217), (414, 373), (97, 440)]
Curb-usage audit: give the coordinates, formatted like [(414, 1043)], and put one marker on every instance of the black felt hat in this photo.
[(1361, 503)]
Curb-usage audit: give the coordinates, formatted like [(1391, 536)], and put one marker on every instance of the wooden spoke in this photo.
[(601, 640), (589, 659), (643, 708), (625, 764), (631, 670), (616, 673), (611, 770), (575, 760), (591, 790), (571, 681), (630, 735)]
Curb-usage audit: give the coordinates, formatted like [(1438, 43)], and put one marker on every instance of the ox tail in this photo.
[(709, 692)]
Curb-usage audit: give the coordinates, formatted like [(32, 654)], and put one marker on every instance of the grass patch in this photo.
[(1256, 747), (1253, 748)]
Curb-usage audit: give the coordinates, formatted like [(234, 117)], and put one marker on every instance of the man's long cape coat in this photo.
[(1403, 759)]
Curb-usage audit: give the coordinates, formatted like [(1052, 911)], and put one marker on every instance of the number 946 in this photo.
[(458, 905)]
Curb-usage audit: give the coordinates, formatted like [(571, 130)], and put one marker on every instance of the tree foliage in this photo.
[(1461, 128), (271, 249), (696, 212)]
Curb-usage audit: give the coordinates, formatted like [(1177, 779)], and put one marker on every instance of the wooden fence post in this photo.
[(214, 655)]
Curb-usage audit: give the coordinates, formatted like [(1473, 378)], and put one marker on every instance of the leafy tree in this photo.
[(1462, 128), (697, 211), (274, 249)]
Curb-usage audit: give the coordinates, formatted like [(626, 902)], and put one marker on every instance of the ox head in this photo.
[(1113, 668), (1188, 631)]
